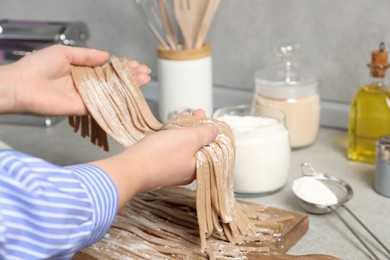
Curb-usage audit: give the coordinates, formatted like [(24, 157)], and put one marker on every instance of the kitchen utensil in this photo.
[(343, 191), (152, 19), (185, 16), (199, 7), (172, 41), (206, 22)]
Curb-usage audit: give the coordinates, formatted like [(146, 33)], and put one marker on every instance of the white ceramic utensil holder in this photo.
[(185, 81)]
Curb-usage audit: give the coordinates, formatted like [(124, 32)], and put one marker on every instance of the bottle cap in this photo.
[(379, 61)]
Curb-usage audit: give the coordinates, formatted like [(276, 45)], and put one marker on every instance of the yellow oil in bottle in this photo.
[(369, 120)]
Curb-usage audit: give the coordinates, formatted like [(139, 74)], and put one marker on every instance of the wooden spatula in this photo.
[(185, 16), (200, 7), (206, 22)]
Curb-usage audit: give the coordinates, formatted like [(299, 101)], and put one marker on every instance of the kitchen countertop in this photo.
[(326, 234)]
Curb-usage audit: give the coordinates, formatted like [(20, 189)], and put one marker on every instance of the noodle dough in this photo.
[(119, 109)]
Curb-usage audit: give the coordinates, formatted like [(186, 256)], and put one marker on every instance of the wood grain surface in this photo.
[(290, 232)]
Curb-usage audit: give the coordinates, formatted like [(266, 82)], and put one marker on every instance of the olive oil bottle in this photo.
[(369, 116)]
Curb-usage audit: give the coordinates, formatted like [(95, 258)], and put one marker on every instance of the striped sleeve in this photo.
[(48, 211)]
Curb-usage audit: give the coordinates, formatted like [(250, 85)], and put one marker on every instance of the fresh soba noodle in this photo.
[(118, 108)]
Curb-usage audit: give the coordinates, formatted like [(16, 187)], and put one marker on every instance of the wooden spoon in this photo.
[(206, 22)]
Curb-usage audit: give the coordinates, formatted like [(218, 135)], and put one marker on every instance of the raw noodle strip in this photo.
[(81, 76), (106, 247), (106, 118), (179, 242), (171, 198), (159, 208), (98, 254), (242, 223), (125, 74), (214, 200), (84, 126), (114, 101), (219, 249), (119, 108), (138, 246), (219, 186), (152, 221), (201, 198), (121, 224), (177, 219), (215, 212), (118, 91), (208, 207), (71, 121), (126, 129)]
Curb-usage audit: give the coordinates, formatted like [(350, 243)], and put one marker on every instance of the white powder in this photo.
[(247, 123), (314, 191), (262, 153)]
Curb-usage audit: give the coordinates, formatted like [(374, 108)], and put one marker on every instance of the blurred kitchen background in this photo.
[(336, 38)]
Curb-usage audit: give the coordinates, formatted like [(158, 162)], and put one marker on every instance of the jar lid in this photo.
[(286, 79)]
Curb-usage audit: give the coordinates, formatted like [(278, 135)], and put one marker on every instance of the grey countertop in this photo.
[(326, 234)]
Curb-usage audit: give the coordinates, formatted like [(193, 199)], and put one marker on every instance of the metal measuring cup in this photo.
[(343, 191)]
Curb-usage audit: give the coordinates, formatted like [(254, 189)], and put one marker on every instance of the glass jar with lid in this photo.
[(262, 158), (290, 87)]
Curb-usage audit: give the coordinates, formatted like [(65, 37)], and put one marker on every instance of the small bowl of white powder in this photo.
[(319, 193)]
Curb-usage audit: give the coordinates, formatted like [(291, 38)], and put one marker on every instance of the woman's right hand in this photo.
[(163, 159)]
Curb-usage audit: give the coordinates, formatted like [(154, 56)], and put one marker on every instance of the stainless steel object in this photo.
[(21, 37), (344, 193), (382, 175), (153, 20), (340, 188)]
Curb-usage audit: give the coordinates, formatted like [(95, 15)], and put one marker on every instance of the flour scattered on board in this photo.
[(314, 191)]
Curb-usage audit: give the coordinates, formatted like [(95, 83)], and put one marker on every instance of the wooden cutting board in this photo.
[(289, 233)]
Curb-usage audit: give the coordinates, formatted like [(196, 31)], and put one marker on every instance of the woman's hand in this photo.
[(162, 159), (41, 83)]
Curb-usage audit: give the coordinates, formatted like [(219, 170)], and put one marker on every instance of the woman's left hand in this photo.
[(41, 83)]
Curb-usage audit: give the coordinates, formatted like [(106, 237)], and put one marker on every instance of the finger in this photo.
[(142, 79), (142, 69), (199, 112), (133, 64), (206, 134), (136, 67), (83, 56)]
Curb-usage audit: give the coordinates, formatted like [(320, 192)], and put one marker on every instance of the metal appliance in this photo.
[(21, 37)]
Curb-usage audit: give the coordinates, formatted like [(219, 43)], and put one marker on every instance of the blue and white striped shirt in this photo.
[(48, 211)]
